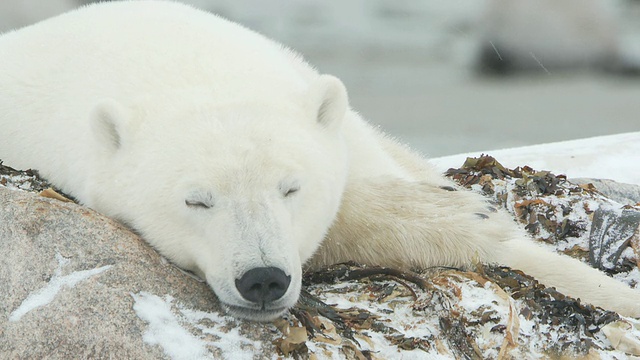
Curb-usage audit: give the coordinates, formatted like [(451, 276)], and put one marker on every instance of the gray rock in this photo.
[(628, 194), (611, 231), (76, 284)]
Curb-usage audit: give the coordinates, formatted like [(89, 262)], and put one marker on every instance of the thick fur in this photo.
[(228, 152)]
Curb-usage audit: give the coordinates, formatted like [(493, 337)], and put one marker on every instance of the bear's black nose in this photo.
[(264, 284)]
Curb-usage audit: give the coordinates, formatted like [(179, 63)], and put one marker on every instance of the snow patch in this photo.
[(233, 343), (169, 328), (165, 329)]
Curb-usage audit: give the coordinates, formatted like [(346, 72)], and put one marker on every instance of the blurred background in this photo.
[(453, 76)]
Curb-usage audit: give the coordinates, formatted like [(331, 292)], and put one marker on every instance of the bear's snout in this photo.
[(263, 285)]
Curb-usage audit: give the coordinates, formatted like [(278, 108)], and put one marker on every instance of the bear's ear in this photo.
[(108, 123), (329, 100)]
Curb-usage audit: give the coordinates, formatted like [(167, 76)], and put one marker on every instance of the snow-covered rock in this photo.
[(623, 193)]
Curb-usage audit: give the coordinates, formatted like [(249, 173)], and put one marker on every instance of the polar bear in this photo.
[(238, 161)]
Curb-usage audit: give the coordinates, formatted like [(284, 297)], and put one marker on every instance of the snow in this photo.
[(169, 323), (612, 157), (625, 333), (165, 330), (233, 343), (17, 182), (45, 295)]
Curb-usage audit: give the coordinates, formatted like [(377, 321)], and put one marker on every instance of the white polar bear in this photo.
[(235, 159)]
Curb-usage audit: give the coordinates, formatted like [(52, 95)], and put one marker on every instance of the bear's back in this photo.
[(140, 46), (156, 53)]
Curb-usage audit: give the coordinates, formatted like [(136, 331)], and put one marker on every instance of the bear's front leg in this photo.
[(404, 224)]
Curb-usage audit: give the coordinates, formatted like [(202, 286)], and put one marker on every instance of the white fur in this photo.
[(191, 129)]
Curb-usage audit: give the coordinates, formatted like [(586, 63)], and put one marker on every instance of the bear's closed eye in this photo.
[(198, 204), (288, 187), (290, 191)]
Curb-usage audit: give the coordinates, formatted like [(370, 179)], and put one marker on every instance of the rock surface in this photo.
[(74, 282), (623, 193)]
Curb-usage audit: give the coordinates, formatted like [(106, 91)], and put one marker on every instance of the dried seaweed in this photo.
[(458, 338), (547, 206), (576, 323), (27, 179), (348, 320), (552, 307), (485, 168), (30, 180), (353, 271)]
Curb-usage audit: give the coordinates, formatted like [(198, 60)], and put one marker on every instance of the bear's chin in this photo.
[(261, 315)]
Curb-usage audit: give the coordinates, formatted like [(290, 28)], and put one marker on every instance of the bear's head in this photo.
[(240, 192)]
